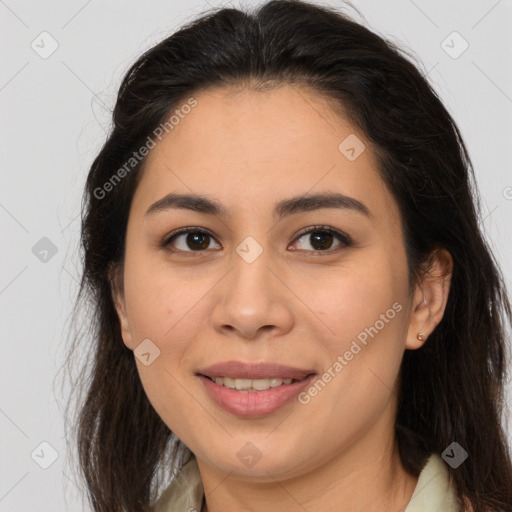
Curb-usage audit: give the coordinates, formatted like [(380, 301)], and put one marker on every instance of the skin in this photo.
[(294, 304)]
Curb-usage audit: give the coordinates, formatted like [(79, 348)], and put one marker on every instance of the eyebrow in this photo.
[(284, 208)]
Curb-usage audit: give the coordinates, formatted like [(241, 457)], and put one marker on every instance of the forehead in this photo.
[(283, 123), (262, 145)]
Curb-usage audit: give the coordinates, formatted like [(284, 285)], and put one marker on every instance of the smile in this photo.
[(252, 385)]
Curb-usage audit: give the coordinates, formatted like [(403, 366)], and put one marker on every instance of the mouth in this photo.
[(253, 390)]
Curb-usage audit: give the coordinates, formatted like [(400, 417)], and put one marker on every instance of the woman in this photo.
[(295, 308)]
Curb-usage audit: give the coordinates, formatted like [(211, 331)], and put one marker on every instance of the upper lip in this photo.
[(241, 370)]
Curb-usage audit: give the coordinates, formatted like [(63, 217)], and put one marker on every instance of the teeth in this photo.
[(229, 383), (275, 382), (243, 383), (250, 385)]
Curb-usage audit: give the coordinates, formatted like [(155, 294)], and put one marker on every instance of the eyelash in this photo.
[(345, 240)]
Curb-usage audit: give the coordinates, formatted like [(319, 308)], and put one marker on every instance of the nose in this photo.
[(253, 301)]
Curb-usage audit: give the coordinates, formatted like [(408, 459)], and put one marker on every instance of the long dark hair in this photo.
[(452, 388)]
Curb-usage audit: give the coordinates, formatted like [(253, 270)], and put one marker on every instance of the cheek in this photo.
[(359, 377), (158, 299), (368, 323), (166, 308), (359, 298)]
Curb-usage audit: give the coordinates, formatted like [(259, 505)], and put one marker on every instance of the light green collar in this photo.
[(435, 490)]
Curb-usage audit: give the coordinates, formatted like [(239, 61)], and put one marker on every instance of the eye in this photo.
[(188, 240), (321, 239)]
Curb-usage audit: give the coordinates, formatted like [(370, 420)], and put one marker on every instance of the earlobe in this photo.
[(116, 287), (430, 299)]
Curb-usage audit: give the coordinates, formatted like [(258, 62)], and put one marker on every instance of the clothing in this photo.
[(434, 491)]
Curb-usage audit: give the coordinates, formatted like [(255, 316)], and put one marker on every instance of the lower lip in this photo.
[(254, 404)]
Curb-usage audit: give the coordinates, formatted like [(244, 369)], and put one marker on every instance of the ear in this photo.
[(430, 298), (115, 276)]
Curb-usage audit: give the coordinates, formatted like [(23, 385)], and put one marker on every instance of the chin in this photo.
[(251, 463)]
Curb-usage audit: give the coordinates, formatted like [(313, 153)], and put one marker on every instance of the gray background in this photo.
[(55, 114)]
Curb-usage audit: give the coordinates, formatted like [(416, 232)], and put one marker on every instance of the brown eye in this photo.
[(188, 240), (321, 239), (197, 240)]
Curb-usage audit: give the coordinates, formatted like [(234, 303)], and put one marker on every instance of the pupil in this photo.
[(197, 240), (324, 239)]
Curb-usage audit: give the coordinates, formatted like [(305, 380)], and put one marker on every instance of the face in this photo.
[(265, 285)]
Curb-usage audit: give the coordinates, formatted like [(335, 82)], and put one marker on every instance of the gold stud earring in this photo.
[(421, 337)]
